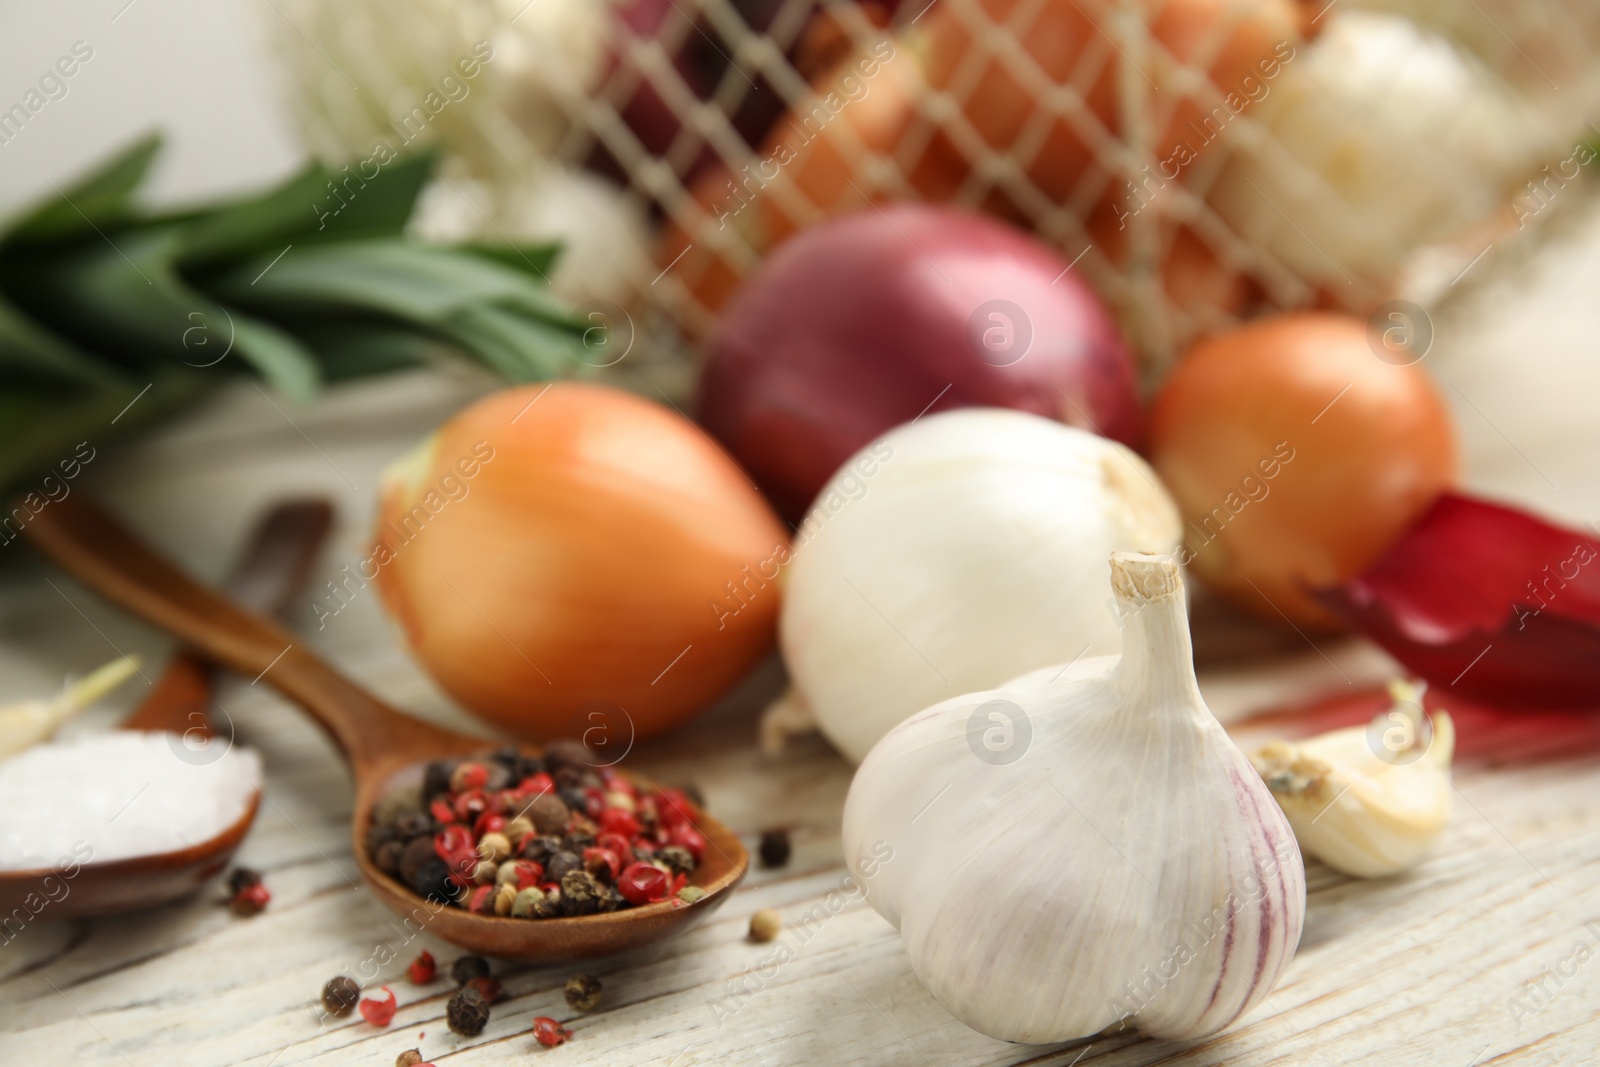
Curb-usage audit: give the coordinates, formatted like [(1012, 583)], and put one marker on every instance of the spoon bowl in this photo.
[(384, 747), (273, 566)]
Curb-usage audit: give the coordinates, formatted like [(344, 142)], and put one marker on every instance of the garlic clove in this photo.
[(1362, 807), (1083, 847)]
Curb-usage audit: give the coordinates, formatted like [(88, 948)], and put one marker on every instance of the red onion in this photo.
[(1488, 603), (871, 320)]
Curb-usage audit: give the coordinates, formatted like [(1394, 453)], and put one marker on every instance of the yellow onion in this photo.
[(570, 557)]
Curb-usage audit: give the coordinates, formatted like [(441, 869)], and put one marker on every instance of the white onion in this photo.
[(956, 552)]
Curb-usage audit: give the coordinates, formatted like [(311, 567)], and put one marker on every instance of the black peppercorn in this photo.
[(583, 992), (774, 848), (580, 893), (561, 864), (387, 858), (571, 795), (414, 824), (468, 1012), (242, 878), (466, 968), (432, 881), (436, 779), (540, 848), (416, 853), (379, 834), (612, 900), (340, 995), (580, 839), (678, 858)]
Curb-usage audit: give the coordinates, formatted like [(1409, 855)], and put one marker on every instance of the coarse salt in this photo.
[(120, 794)]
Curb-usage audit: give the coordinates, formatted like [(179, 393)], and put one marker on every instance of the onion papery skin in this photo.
[(579, 571), (868, 321), (1487, 602)]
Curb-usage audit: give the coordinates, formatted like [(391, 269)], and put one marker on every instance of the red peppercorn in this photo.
[(471, 805), (452, 841), (688, 837), (641, 883), (488, 823), (481, 901), (468, 776), (617, 821), (617, 782), (379, 1012), (250, 900), (674, 808), (535, 784), (612, 861), (617, 843), (594, 803), (443, 810), (422, 969), (529, 873), (489, 987), (548, 1032)]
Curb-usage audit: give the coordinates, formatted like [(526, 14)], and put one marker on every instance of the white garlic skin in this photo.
[(975, 550), (1050, 897)]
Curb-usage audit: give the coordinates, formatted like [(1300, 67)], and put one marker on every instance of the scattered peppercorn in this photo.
[(468, 1012), (242, 878), (423, 969), (548, 1032), (774, 848), (411, 1057), (583, 992), (489, 987), (339, 995), (765, 924), (250, 900), (379, 1012), (466, 968)]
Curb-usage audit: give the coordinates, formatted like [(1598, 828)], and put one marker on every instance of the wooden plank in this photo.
[(1435, 967)]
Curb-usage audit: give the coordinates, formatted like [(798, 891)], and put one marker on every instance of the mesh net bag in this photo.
[(1199, 161)]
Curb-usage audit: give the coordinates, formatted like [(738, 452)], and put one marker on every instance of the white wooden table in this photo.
[(1421, 969)]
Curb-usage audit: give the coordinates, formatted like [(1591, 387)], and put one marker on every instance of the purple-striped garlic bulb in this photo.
[(1083, 847)]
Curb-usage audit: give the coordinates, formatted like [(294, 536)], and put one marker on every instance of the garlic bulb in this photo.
[(953, 553), (1369, 800), (1379, 137), (602, 230), (1083, 846)]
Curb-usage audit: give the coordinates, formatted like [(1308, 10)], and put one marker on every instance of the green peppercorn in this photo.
[(468, 1012), (583, 992), (340, 995)]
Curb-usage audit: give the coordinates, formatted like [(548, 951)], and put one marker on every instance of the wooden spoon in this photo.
[(385, 748), (273, 566)]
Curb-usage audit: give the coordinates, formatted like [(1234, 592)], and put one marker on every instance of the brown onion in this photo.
[(561, 552)]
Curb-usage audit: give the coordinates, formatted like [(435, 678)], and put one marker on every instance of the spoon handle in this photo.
[(104, 555), (275, 564)]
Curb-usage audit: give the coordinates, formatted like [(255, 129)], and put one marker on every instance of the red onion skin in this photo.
[(1486, 602), (866, 322)]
